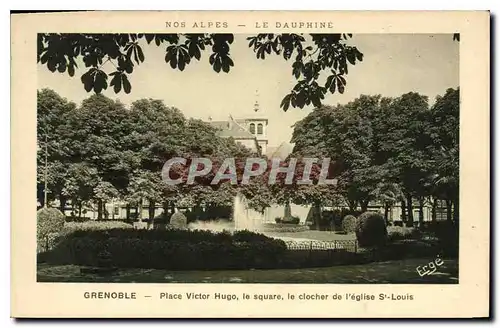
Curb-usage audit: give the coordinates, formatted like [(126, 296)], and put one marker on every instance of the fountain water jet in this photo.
[(245, 218)]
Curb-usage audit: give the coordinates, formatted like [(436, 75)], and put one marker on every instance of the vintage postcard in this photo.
[(250, 164)]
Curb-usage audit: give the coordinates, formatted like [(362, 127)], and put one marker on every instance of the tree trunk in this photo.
[(421, 212), (386, 214), (200, 213), (352, 205), (364, 205), (80, 209), (410, 210), (127, 211), (403, 211), (99, 209), (140, 210), (317, 215), (456, 209), (165, 206), (434, 209), (62, 203), (42, 203), (151, 213), (151, 209), (448, 209), (172, 208)]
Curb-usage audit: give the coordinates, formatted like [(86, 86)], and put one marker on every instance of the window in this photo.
[(252, 128), (260, 129), (116, 210)]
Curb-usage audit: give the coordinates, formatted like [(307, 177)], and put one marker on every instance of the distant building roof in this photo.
[(281, 152), (232, 128)]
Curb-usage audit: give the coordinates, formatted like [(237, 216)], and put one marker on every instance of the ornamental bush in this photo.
[(371, 230), (178, 220), (349, 224), (50, 221), (293, 219)]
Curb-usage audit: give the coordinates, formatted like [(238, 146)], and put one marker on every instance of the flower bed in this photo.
[(284, 227)]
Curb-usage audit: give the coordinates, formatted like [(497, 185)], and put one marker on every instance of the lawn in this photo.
[(394, 272)]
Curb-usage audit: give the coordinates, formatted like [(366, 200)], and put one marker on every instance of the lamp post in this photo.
[(45, 170), (45, 175)]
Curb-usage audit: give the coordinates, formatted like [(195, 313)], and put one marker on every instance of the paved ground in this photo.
[(403, 271)]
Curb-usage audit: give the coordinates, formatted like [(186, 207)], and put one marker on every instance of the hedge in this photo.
[(169, 249), (95, 225)]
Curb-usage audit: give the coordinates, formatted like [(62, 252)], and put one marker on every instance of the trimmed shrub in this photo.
[(349, 224), (178, 220), (291, 220), (170, 249), (371, 230), (50, 221)]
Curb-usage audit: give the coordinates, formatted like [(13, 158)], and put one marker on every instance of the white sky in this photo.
[(393, 65)]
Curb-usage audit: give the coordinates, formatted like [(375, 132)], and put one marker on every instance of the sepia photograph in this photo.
[(118, 115), (250, 164)]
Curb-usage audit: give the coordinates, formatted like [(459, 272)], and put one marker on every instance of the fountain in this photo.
[(244, 218)]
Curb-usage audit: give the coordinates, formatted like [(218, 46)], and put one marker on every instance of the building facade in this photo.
[(250, 131)]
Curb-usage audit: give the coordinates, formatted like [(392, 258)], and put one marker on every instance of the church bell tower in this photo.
[(257, 125)]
